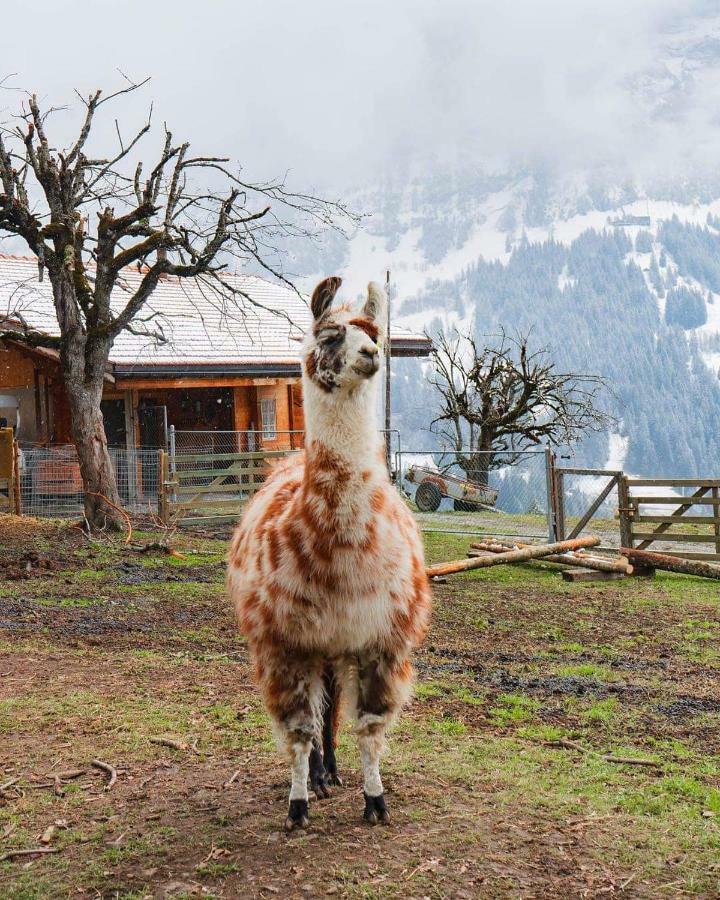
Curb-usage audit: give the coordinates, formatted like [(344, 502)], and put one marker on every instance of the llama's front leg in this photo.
[(297, 816), (383, 686), (292, 689)]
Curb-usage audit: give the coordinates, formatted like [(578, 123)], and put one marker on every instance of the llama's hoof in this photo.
[(320, 784), (334, 778), (297, 815), (376, 811)]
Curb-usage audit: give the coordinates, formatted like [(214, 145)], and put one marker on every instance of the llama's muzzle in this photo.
[(368, 363)]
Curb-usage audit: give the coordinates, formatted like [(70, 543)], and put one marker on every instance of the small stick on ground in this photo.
[(36, 851), (235, 775), (108, 769), (67, 774), (568, 744), (631, 761), (170, 742), (606, 757), (4, 789)]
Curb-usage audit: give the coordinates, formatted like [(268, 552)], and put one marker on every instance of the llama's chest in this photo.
[(334, 583)]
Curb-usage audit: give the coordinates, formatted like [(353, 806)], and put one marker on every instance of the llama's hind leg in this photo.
[(331, 721), (383, 686), (292, 689), (323, 763)]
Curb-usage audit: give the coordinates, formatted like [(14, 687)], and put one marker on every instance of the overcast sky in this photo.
[(335, 91)]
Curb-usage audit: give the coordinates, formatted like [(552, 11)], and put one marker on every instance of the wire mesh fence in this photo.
[(476, 492), (483, 494), (51, 485), (188, 441)]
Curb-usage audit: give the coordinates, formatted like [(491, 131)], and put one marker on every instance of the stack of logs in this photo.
[(574, 560), (575, 565), (564, 553)]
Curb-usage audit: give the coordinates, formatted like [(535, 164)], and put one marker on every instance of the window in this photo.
[(268, 421)]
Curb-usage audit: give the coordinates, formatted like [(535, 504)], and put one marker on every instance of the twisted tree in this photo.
[(87, 218), (507, 398)]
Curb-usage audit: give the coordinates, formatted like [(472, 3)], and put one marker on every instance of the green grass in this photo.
[(513, 708)]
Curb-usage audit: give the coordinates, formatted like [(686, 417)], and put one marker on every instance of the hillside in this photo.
[(603, 238), (628, 290)]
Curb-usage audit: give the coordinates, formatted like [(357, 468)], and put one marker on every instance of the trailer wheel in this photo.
[(427, 497)]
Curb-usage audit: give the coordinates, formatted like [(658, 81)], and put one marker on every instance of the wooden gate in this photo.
[(642, 523), (9, 482), (594, 505), (205, 488)]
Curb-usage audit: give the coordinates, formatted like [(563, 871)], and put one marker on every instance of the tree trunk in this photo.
[(476, 467), (96, 469), (83, 358)]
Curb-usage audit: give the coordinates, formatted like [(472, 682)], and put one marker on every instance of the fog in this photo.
[(340, 92)]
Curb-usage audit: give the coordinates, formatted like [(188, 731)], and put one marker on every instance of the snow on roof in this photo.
[(200, 327)]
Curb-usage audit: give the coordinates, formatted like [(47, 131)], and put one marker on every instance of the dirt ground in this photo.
[(504, 776)]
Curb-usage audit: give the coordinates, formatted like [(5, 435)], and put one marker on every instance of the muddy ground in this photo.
[(503, 777)]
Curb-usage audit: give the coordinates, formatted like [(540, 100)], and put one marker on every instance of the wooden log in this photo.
[(537, 551), (590, 575), (672, 563), (581, 560)]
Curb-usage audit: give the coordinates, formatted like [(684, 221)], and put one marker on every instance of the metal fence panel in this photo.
[(583, 491), (519, 509), (51, 486)]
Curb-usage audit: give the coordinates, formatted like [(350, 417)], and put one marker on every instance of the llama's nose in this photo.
[(370, 356)]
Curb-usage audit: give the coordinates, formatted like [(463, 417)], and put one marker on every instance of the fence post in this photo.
[(172, 445), (551, 490), (162, 487), (624, 512), (16, 495)]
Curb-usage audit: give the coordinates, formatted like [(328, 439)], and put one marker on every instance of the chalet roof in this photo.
[(203, 334)]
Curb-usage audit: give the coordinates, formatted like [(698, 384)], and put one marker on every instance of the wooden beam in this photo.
[(227, 381), (669, 500), (590, 575), (674, 482), (650, 537), (690, 520)]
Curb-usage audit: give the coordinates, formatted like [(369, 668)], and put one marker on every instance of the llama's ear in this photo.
[(323, 296), (376, 304)]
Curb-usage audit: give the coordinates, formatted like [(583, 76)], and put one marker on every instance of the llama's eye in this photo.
[(332, 340)]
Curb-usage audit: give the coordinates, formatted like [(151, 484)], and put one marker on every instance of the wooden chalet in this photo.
[(220, 366)]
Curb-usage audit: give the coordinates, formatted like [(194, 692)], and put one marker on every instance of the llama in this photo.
[(326, 568)]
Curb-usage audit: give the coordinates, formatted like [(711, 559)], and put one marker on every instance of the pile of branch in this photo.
[(521, 554)]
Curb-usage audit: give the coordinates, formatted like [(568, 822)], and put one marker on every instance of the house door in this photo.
[(114, 417)]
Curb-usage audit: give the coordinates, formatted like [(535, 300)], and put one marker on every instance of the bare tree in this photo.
[(507, 398), (88, 218)]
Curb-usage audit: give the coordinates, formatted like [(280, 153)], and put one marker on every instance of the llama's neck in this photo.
[(347, 426)]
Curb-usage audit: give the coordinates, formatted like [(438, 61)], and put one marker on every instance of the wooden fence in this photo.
[(205, 488), (642, 523)]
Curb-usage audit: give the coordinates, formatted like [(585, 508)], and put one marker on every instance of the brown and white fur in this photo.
[(326, 568)]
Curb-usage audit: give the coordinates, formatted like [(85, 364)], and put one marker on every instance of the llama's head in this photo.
[(342, 349)]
